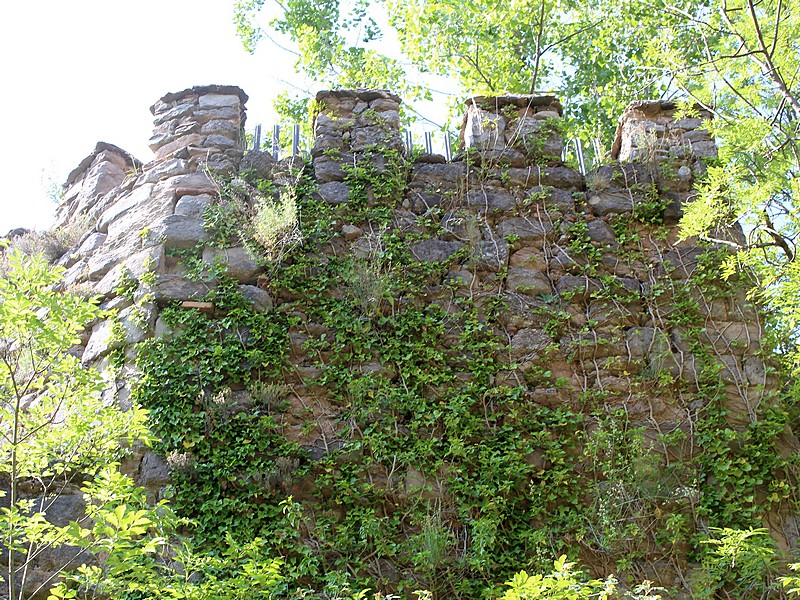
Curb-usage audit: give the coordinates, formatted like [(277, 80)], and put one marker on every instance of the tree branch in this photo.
[(767, 66), (780, 241), (538, 48)]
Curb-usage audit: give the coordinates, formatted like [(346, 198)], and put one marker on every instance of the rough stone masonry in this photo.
[(507, 203)]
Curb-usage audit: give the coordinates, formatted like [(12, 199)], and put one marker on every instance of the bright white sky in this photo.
[(81, 71)]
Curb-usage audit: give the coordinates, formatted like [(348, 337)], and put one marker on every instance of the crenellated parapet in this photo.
[(514, 130), (655, 130), (137, 212), (200, 127), (350, 126)]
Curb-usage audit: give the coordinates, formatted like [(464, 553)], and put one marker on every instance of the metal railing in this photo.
[(572, 147), (276, 140)]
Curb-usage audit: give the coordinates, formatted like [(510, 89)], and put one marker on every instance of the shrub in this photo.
[(276, 228)]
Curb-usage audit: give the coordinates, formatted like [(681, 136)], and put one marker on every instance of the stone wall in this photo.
[(591, 303)]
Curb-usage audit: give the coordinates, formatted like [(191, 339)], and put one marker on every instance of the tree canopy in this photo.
[(740, 59)]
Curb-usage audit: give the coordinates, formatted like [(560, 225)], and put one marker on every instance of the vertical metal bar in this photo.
[(428, 142), (295, 140), (257, 140), (598, 150), (579, 153), (276, 139), (409, 141), (448, 147)]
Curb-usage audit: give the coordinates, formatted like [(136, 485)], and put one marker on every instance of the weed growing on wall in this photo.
[(276, 227)]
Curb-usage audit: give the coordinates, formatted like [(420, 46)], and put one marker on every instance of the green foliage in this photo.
[(223, 221), (741, 463), (563, 583), (741, 562), (331, 40), (792, 582), (54, 427), (138, 554), (736, 59), (754, 180), (580, 244), (186, 386), (377, 178), (521, 47), (275, 226)]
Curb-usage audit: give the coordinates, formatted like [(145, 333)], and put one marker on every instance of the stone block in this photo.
[(704, 149), (218, 101), (490, 200), (733, 337), (460, 278), (130, 326), (328, 168), (460, 225), (490, 255), (591, 345), (191, 184), (351, 232), (65, 508), (599, 231), (526, 230), (259, 164), (612, 202), (162, 152), (168, 168), (326, 141), (216, 140), (220, 126), (532, 137), (193, 206), (363, 138), (528, 282), (173, 113), (239, 264), (580, 287), (134, 199), (557, 176), (91, 243), (434, 250), (688, 123), (334, 192), (153, 471), (506, 156), (546, 114), (697, 135), (755, 371), (433, 177), (259, 299), (382, 104), (178, 232), (530, 341), (640, 341), (231, 114), (111, 254), (171, 288), (337, 124), (529, 258), (483, 130), (76, 274)]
